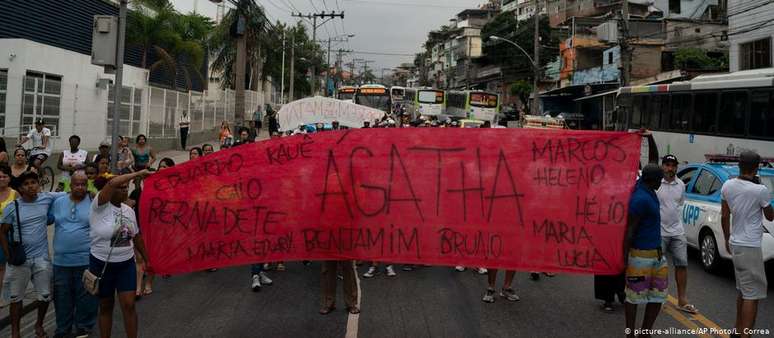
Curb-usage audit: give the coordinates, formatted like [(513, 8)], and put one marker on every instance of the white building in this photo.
[(750, 34), (522, 9), (63, 88)]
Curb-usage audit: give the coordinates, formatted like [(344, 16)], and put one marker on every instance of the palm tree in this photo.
[(224, 44), (148, 28), (155, 27)]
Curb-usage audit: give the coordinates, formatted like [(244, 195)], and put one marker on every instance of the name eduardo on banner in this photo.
[(534, 200)]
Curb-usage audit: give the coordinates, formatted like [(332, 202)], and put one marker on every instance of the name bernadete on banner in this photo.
[(536, 200)]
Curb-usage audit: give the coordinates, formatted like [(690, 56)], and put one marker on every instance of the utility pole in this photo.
[(118, 86), (536, 65), (241, 65), (313, 16), (291, 96), (626, 50), (282, 77), (352, 72), (328, 71), (365, 66)]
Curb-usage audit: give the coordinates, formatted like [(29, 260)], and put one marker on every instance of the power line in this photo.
[(376, 2), (750, 8), (382, 53)]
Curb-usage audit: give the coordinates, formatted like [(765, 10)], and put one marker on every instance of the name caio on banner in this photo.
[(538, 200)]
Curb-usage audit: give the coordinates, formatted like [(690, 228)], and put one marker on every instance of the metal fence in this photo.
[(207, 109)]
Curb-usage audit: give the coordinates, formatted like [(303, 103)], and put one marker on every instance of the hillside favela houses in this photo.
[(670, 40)]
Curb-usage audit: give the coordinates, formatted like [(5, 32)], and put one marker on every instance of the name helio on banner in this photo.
[(538, 200)]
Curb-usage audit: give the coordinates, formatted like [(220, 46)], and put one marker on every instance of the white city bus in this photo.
[(374, 96), (476, 105), (711, 114), (424, 101), (397, 93)]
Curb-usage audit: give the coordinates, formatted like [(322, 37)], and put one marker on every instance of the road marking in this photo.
[(683, 320), (352, 320), (689, 319)]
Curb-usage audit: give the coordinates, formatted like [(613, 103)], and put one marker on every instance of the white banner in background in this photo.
[(326, 110)]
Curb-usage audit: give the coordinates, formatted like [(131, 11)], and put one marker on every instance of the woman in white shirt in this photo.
[(114, 236)]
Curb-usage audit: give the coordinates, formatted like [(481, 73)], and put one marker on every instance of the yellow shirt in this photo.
[(3, 204)]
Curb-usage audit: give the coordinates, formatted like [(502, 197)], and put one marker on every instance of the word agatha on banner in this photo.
[(539, 200)]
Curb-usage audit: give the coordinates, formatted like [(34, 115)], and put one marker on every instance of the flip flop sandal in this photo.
[(688, 308)]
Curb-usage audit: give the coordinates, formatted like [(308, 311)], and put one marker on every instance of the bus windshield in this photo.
[(430, 96), (483, 100), (374, 100), (397, 93), (346, 95)]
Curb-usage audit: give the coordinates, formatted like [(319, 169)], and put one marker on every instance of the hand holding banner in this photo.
[(540, 200)]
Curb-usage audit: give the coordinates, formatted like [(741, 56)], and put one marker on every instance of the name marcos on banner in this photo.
[(501, 198)]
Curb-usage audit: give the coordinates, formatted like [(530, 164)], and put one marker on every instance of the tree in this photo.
[(521, 89), (698, 59), (176, 40), (224, 42)]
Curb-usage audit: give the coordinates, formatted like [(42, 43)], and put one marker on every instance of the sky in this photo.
[(381, 27)]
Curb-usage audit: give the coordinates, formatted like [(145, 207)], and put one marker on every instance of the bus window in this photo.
[(733, 106), (664, 109), (681, 108), (705, 111), (650, 111), (636, 112), (761, 115)]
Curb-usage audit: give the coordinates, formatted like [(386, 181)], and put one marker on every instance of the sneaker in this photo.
[(459, 268), (280, 267), (482, 271), (509, 294), (408, 268), (391, 271), (256, 283), (212, 270), (372, 271), (340, 277), (489, 296), (82, 333), (307, 263), (534, 276), (266, 267), (265, 280)]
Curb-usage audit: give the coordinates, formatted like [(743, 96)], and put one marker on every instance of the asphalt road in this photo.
[(428, 302)]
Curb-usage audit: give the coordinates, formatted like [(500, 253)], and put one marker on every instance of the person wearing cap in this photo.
[(646, 273), (671, 197), (41, 145), (104, 151), (746, 199)]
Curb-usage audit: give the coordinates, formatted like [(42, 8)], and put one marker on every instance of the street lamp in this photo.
[(535, 67)]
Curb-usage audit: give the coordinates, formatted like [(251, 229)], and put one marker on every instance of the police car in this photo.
[(701, 211)]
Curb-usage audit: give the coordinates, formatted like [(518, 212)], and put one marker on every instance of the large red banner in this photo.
[(541, 200)]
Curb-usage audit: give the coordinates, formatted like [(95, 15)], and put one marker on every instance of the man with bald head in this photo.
[(75, 308)]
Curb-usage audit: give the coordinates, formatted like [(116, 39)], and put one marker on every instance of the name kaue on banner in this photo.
[(500, 198)]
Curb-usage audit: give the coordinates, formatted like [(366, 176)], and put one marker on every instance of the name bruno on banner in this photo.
[(500, 198)]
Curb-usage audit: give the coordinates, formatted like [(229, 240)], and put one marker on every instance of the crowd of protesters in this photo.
[(96, 231)]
